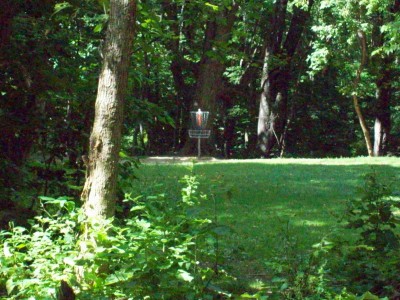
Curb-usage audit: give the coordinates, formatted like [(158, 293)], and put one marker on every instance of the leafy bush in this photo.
[(374, 214), (33, 261), (159, 251), (372, 261)]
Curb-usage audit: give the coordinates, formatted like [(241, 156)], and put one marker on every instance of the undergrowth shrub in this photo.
[(34, 260), (375, 214), (298, 274), (158, 252), (372, 262)]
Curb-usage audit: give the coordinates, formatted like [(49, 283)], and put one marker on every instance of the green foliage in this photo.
[(313, 275), (34, 260), (371, 262), (299, 275), (47, 91), (375, 214), (157, 251)]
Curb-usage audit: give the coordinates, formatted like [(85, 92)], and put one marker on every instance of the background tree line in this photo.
[(280, 78)]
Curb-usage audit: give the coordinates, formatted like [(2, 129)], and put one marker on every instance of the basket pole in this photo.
[(198, 147)]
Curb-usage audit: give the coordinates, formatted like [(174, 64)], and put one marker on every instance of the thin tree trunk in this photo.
[(99, 193), (361, 119), (285, 132), (363, 124), (178, 65)]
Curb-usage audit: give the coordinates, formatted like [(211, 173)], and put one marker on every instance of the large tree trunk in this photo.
[(384, 83), (99, 193), (273, 110), (272, 118), (210, 72), (208, 86)]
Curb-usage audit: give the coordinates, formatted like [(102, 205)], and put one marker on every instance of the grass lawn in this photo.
[(264, 201)]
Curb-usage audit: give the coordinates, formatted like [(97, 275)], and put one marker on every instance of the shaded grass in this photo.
[(264, 201)]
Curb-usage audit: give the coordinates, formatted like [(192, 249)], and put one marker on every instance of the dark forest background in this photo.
[(280, 79)]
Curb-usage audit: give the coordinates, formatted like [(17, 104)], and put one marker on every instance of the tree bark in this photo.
[(275, 80), (99, 193), (273, 109)]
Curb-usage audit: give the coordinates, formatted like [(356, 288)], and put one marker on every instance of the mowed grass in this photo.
[(265, 201)]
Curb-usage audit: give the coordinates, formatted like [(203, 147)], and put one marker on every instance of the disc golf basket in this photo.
[(198, 125)]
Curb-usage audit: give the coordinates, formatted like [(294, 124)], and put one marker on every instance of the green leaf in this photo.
[(98, 28), (118, 277), (6, 250), (284, 286), (111, 279), (61, 6), (69, 261), (21, 246), (247, 296), (10, 285), (70, 206), (182, 274), (138, 207), (213, 7), (44, 198), (143, 224), (368, 296)]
